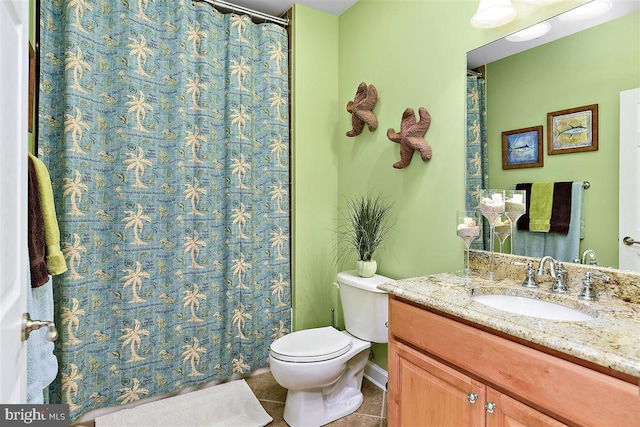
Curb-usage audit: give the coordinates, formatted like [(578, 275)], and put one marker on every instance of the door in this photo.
[(426, 392), (504, 411), (629, 203), (14, 77)]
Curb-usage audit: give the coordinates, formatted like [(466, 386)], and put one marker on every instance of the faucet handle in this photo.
[(560, 284), (590, 276), (530, 279), (588, 292)]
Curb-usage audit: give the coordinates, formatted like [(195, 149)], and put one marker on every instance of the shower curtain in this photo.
[(164, 125), (477, 161)]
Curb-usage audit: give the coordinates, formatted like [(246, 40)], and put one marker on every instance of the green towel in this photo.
[(540, 206), (55, 261)]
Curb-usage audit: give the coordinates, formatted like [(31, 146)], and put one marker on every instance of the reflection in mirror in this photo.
[(588, 67)]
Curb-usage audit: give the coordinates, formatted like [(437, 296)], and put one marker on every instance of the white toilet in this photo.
[(322, 368)]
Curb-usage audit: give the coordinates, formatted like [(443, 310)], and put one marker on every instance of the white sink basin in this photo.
[(532, 307)]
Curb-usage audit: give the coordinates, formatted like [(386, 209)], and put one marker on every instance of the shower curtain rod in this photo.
[(474, 73), (250, 12)]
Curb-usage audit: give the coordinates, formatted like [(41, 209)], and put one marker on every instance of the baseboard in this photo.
[(376, 375), (260, 371)]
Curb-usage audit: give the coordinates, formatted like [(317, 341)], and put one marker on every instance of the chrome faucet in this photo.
[(593, 260), (552, 266), (557, 273)]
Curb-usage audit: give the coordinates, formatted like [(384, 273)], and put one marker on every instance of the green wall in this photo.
[(314, 95), (590, 67), (406, 55), (413, 51)]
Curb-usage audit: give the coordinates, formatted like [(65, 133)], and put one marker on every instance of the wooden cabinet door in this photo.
[(424, 392), (509, 412)]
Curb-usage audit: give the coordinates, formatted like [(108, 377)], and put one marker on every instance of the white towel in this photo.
[(42, 364)]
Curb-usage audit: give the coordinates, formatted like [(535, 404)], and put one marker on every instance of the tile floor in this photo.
[(372, 412), (271, 395)]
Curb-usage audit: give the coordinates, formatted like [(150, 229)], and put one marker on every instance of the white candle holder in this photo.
[(492, 204), (515, 207), (468, 228)]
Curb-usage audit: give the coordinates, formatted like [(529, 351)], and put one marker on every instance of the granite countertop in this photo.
[(612, 339)]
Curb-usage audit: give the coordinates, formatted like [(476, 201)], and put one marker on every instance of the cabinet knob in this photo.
[(472, 397), (490, 407)]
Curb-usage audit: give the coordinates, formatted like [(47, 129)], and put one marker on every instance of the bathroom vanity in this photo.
[(455, 361)]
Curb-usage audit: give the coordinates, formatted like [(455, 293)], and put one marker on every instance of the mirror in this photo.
[(572, 66)]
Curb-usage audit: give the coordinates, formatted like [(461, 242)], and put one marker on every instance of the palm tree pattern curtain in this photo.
[(477, 161), (164, 125)]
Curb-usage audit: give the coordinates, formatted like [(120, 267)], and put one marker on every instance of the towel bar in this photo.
[(585, 185)]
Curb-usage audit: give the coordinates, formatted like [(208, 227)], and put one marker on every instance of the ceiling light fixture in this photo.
[(586, 11), (530, 33), (493, 13)]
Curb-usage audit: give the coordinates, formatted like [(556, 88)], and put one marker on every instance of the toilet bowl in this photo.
[(322, 368)]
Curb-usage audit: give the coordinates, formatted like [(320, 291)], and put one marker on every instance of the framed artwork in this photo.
[(573, 130), (522, 148)]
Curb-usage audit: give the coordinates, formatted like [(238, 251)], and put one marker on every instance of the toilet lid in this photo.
[(311, 345)]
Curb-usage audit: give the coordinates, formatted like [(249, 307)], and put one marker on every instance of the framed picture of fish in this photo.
[(573, 130), (522, 148)]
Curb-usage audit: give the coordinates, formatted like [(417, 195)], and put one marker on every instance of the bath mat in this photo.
[(229, 404)]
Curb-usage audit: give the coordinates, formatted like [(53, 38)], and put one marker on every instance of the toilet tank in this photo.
[(365, 307)]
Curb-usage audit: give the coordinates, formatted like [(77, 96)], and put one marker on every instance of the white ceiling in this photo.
[(502, 48), (279, 7)]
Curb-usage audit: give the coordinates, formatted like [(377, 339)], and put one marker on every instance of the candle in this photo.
[(468, 221), (517, 198), (496, 197)]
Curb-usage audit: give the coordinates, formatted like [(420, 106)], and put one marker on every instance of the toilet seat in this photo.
[(311, 345)]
